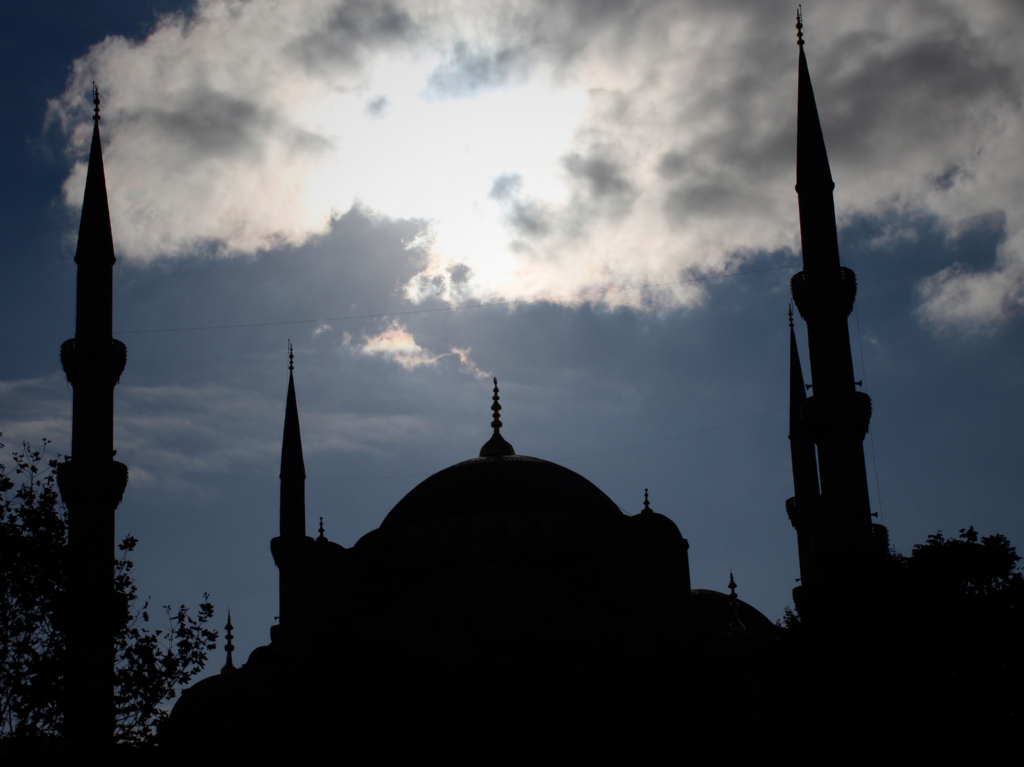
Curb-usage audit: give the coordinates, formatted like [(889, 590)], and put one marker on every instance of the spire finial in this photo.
[(647, 505), (800, 26), (496, 445), (291, 356), (95, 101), (229, 666), (321, 537), (790, 315)]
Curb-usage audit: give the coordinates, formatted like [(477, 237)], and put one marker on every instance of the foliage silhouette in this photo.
[(933, 646), (150, 664)]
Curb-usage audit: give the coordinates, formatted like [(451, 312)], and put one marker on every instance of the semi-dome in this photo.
[(502, 484)]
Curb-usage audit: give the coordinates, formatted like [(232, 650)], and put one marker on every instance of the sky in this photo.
[(612, 180)]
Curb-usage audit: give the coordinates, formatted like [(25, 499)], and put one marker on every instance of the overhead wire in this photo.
[(863, 382), (451, 309), (420, 476), (463, 307)]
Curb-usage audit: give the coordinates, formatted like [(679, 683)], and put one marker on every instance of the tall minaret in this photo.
[(803, 507), (287, 548), (836, 414), (91, 482)]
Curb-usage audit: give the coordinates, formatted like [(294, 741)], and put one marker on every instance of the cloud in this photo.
[(466, 72), (960, 298), (34, 409), (397, 344), (468, 365), (553, 149)]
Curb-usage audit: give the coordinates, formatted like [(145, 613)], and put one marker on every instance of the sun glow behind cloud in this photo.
[(551, 150)]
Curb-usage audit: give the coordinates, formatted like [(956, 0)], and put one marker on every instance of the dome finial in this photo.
[(291, 356), (735, 624), (647, 505), (95, 101), (800, 26), (496, 408), (791, 315), (321, 537), (496, 445), (229, 666)]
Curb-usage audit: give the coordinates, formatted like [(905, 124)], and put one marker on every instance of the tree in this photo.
[(151, 664)]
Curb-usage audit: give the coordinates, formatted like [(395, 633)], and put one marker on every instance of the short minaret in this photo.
[(803, 506), (836, 414), (91, 482), (289, 547)]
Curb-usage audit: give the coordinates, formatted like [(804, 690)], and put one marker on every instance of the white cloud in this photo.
[(467, 363), (957, 297), (552, 149), (397, 344)]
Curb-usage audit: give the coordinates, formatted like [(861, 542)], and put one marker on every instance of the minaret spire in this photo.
[(91, 482), (293, 468), (814, 182)]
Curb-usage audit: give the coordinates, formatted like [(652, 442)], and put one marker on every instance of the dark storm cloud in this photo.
[(527, 218), (938, 86), (506, 186), (459, 273), (206, 123), (468, 71), (603, 179), (574, 381), (351, 30), (378, 106)]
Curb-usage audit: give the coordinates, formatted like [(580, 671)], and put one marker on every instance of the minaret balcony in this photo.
[(799, 513), (104, 487), (839, 415), (100, 362), (826, 292)]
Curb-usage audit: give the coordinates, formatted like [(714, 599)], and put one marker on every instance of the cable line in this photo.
[(421, 476), (450, 308)]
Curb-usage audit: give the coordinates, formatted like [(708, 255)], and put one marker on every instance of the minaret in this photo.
[(91, 482), (803, 506), (836, 414), (288, 547)]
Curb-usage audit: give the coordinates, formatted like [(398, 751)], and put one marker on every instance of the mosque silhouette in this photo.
[(505, 605)]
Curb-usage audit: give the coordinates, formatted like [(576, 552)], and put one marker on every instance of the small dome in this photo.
[(502, 484)]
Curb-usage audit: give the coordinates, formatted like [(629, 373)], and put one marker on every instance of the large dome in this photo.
[(507, 483)]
